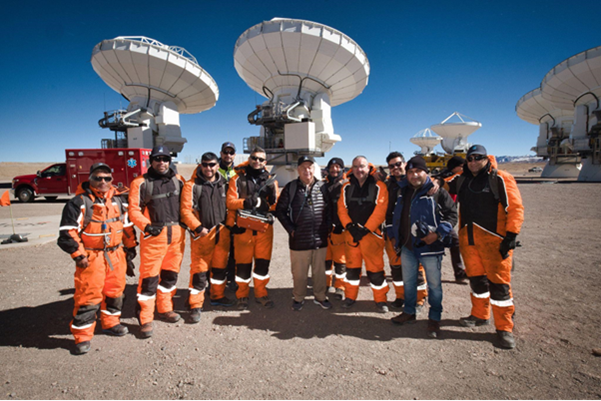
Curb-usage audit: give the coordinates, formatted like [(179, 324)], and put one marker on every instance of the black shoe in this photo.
[(169, 317), (473, 321), (223, 301), (82, 348), (347, 303), (382, 307), (433, 328), (403, 318), (461, 277), (325, 304), (117, 331), (505, 339), (297, 306), (195, 315), (398, 303), (232, 286)]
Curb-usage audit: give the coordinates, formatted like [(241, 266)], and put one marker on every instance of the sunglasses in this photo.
[(397, 165), (259, 159), (475, 157), (213, 164), (165, 159), (228, 152), (98, 179)]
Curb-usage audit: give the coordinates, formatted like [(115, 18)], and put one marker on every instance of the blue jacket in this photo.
[(437, 211)]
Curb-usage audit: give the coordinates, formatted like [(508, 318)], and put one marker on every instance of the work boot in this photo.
[(146, 330), (347, 303), (473, 321), (382, 307), (461, 277), (505, 339), (243, 303), (117, 331), (232, 286), (403, 318), (195, 315), (223, 301), (169, 317), (265, 301), (339, 294), (398, 303), (82, 348), (433, 328)]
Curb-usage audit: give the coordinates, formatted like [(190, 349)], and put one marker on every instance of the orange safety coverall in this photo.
[(211, 251), (161, 255), (484, 222), (335, 257), (250, 244), (101, 284), (370, 213)]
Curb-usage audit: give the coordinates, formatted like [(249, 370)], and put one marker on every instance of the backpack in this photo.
[(89, 205), (148, 196)]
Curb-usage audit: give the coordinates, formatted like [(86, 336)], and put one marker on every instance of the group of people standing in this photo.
[(335, 226)]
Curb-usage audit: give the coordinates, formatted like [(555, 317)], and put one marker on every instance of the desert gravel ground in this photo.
[(318, 354)]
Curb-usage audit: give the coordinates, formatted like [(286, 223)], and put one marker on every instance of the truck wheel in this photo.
[(25, 195), (51, 198)]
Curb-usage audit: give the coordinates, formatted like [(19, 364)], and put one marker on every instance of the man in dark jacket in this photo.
[(303, 210), (203, 211), (420, 223)]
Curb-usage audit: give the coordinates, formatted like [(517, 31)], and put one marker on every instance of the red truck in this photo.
[(62, 179)]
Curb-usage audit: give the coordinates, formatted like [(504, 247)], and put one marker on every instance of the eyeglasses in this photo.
[(475, 157), (165, 159), (228, 152), (259, 159), (98, 178), (397, 165), (213, 164)]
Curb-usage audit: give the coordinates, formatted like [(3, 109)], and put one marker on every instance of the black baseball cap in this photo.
[(228, 145), (303, 159), (159, 151), (477, 150), (98, 166)]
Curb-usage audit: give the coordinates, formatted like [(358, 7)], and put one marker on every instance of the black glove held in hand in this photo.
[(249, 203), (508, 243), (130, 254), (356, 231), (152, 230)]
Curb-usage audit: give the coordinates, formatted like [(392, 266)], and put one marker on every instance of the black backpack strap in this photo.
[(196, 193)]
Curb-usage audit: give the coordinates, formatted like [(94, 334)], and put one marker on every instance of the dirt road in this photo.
[(335, 354)]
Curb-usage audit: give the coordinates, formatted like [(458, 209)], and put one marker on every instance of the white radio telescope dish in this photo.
[(454, 134), (160, 82), (304, 69), (427, 140)]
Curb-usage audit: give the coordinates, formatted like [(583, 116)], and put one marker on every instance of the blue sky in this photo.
[(428, 59)]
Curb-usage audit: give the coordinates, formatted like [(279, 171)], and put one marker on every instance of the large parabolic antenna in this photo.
[(454, 133), (160, 82), (426, 140), (303, 68), (554, 128), (576, 82)]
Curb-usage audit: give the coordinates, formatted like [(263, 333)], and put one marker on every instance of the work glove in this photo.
[(251, 202), (357, 231), (338, 229), (130, 255), (81, 261), (237, 230), (508, 243), (153, 230)]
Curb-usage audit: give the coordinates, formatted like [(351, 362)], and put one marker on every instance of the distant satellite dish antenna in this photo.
[(160, 82), (454, 134), (303, 68), (427, 140)]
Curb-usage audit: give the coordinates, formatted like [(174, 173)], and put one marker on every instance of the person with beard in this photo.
[(396, 166), (362, 210), (154, 207), (335, 258), (248, 191), (203, 211)]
